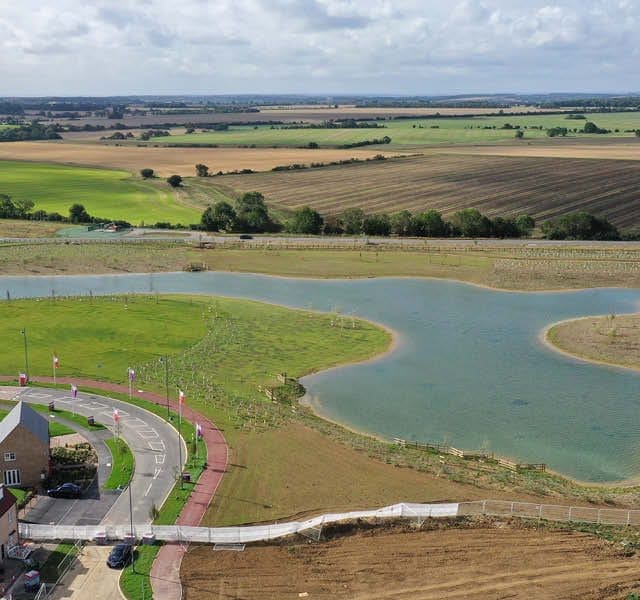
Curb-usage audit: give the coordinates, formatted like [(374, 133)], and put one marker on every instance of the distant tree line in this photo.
[(34, 131)]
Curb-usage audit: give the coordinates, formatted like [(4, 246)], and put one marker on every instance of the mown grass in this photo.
[(122, 464), (410, 132), (49, 570), (104, 193), (55, 428)]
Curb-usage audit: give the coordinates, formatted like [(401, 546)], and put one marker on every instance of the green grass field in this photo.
[(104, 193), (55, 428), (409, 132), (122, 465), (204, 337)]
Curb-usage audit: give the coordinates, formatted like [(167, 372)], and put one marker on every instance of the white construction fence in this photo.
[(312, 527), (229, 535)]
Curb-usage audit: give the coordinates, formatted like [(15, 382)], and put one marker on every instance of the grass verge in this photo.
[(122, 464), (49, 570)]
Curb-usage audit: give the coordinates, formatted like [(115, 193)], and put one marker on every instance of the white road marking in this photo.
[(156, 473), (148, 489), (39, 395), (147, 433), (157, 446), (160, 459)]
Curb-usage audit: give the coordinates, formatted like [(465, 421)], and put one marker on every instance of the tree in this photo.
[(252, 214), (505, 228), (77, 214), (376, 225), (202, 170), (306, 220), (23, 207), (402, 223), (351, 221), (637, 132), (146, 173), (519, 134), (219, 217), (7, 207), (174, 181), (580, 226), (470, 223), (525, 225), (430, 224)]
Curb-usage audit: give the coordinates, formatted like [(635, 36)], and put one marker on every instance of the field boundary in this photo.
[(312, 528)]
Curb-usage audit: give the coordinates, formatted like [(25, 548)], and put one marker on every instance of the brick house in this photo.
[(24, 447), (8, 521)]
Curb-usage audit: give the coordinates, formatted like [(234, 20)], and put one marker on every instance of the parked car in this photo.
[(120, 556), (245, 236), (66, 490)]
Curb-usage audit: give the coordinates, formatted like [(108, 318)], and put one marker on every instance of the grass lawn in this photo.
[(55, 428), (410, 132), (122, 465), (49, 570), (104, 193)]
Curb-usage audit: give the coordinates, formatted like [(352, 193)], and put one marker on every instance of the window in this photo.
[(10, 517), (9, 456), (12, 477)]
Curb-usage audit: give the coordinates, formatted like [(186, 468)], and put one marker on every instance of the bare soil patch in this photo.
[(167, 161), (496, 185), (611, 149), (613, 339), (491, 561)]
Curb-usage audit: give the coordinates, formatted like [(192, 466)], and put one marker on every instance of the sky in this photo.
[(403, 47)]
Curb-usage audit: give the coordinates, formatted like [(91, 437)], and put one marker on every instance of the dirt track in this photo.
[(490, 562)]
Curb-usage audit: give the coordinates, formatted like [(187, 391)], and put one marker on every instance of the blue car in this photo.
[(65, 490)]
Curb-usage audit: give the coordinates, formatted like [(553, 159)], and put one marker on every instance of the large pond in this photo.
[(469, 368)]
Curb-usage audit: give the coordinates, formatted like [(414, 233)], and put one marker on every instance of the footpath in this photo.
[(165, 573)]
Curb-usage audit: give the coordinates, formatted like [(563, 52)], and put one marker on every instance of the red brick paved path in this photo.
[(165, 573)]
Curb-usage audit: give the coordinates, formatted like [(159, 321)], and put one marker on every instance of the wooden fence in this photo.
[(473, 455)]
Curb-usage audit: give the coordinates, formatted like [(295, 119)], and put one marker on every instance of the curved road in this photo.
[(153, 442)]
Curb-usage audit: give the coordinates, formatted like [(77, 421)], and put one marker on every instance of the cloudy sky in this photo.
[(69, 47)]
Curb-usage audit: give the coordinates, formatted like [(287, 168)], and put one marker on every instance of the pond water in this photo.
[(469, 368)]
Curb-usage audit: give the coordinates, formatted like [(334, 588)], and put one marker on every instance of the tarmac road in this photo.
[(153, 442)]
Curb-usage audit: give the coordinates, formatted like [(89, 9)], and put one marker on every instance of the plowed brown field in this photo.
[(498, 561), (496, 185)]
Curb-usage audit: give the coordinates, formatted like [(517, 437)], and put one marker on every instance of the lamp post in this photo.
[(133, 554), (26, 352)]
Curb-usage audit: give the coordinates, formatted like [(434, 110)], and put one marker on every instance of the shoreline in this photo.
[(396, 340), (483, 286), (543, 337)]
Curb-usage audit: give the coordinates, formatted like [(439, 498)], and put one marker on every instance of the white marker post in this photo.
[(56, 364)]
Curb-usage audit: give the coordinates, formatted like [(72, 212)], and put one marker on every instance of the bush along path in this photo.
[(165, 572)]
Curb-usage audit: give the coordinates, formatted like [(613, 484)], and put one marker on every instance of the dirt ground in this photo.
[(494, 560), (613, 339), (167, 161), (615, 149)]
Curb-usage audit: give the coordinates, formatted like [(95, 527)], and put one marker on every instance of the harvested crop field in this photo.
[(504, 186), (608, 148), (491, 561), (167, 161)]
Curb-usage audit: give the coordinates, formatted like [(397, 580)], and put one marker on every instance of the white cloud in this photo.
[(331, 46)]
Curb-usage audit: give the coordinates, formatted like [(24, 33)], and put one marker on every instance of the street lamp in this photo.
[(133, 553), (23, 331)]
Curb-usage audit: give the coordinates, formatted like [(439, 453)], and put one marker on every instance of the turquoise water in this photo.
[(469, 368)]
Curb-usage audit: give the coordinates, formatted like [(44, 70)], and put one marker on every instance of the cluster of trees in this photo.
[(385, 140), (589, 127), (22, 208), (34, 131), (580, 226), (250, 214)]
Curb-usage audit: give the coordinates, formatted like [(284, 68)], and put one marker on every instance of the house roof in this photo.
[(23, 414), (7, 501)]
